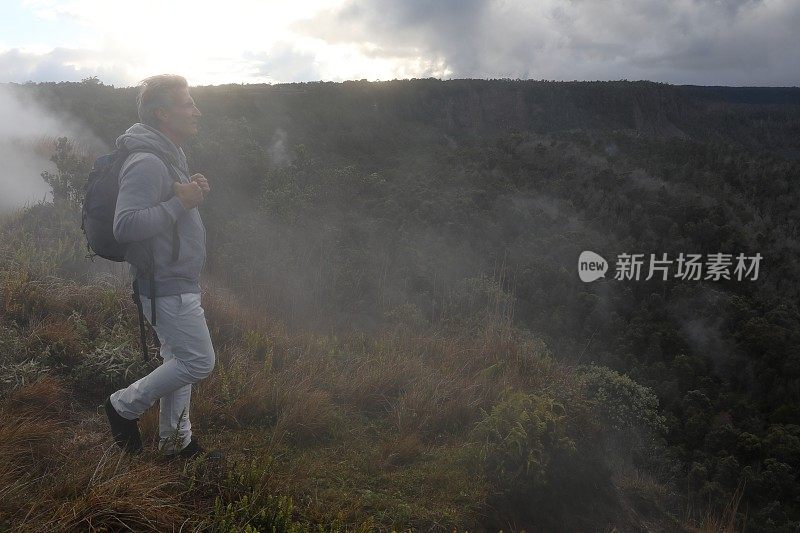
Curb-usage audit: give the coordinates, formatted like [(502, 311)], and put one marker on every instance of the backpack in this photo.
[(97, 224)]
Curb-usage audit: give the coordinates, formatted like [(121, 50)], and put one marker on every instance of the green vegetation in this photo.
[(392, 285)]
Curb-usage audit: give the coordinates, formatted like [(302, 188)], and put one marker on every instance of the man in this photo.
[(153, 209)]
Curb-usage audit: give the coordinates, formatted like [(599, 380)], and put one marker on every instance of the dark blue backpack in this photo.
[(99, 204), (97, 223)]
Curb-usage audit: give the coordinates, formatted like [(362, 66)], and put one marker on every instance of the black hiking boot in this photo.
[(125, 432), (193, 449)]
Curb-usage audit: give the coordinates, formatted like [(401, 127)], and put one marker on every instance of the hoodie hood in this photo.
[(141, 136)]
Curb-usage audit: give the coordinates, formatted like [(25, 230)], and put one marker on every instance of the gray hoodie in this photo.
[(147, 207)]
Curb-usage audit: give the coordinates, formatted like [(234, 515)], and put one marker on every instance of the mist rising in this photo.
[(28, 132)]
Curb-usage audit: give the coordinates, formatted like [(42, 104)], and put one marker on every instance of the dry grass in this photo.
[(112, 493), (60, 338), (243, 393), (148, 427), (424, 386), (28, 299), (47, 398), (393, 408), (401, 450), (307, 416), (27, 444), (231, 319), (713, 520), (30, 429), (49, 481)]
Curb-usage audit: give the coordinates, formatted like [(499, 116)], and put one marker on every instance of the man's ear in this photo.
[(160, 114)]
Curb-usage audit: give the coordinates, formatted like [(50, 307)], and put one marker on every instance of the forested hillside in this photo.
[(431, 207)]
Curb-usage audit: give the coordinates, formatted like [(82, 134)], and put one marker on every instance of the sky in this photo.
[(702, 42)]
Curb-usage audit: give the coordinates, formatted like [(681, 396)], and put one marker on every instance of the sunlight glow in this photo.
[(210, 44)]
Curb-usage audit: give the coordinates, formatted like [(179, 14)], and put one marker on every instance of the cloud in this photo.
[(408, 30), (738, 42), (709, 42), (59, 64), (284, 62), (206, 43)]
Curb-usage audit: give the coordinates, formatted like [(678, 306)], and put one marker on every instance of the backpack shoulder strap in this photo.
[(176, 242), (171, 169)]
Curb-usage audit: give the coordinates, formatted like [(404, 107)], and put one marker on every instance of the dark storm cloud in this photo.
[(733, 42), (405, 29)]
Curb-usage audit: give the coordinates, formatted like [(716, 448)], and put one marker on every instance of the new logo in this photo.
[(591, 266)]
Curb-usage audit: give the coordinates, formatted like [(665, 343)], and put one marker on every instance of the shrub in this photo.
[(623, 404), (543, 460), (518, 438), (68, 183), (244, 502)]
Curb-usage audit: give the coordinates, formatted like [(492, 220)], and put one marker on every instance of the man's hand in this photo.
[(190, 194), (202, 182)]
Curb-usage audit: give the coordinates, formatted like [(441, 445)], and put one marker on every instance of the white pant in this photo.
[(188, 357)]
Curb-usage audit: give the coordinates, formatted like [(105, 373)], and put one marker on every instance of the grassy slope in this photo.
[(361, 432)]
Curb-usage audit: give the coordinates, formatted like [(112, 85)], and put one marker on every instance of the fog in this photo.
[(27, 136)]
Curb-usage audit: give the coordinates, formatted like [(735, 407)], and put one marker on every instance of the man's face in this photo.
[(181, 118)]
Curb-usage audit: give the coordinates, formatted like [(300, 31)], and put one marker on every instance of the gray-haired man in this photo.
[(157, 205)]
